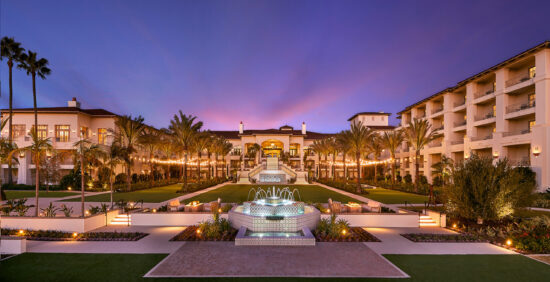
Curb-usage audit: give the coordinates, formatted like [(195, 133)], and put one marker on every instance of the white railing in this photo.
[(516, 132), (519, 107), (484, 116)]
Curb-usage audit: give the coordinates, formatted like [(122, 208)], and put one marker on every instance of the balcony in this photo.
[(520, 107), (486, 91), (459, 103), (420, 116), (457, 142), (484, 116), (435, 144), (437, 110), (459, 123), (519, 79), (480, 138), (517, 132)]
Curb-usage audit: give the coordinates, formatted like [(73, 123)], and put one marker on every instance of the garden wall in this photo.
[(379, 219), (66, 224), (438, 217), (171, 218), (10, 245)]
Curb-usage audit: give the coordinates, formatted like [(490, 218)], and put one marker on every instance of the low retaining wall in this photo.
[(438, 217), (10, 245), (171, 218), (66, 224), (379, 219)]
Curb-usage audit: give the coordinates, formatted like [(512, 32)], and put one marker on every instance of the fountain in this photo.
[(274, 217)]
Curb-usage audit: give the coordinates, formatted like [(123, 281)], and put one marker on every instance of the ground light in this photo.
[(21, 232), (454, 225), (509, 242), (75, 234)]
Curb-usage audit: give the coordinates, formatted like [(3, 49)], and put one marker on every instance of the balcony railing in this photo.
[(517, 132), (519, 107), (456, 142), (423, 115), (484, 116), (524, 161), (519, 79), (459, 123), (437, 110), (484, 92), (439, 128), (479, 138), (459, 103), (435, 144)]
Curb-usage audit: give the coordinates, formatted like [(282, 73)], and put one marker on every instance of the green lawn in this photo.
[(131, 267), (42, 194), (387, 196), (153, 195), (237, 193)]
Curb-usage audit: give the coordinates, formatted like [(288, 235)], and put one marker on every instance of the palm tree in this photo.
[(150, 141), (167, 147), (358, 140), (5, 148), (210, 148), (332, 148), (112, 157), (34, 67), (319, 149), (375, 147), (200, 143), (418, 134), (344, 147), (127, 134), (225, 149), (38, 148), (89, 153), (444, 168), (11, 50), (254, 151), (184, 128), (391, 140)]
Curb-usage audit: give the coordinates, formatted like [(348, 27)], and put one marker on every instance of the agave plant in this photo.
[(67, 211)]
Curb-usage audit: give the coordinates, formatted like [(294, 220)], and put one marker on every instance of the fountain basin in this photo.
[(274, 222), (246, 237)]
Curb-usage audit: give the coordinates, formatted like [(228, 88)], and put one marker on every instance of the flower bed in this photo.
[(194, 233), (353, 234), (442, 238), (48, 235)]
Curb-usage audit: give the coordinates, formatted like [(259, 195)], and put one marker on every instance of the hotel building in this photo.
[(501, 112)]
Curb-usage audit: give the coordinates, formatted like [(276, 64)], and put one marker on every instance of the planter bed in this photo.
[(190, 234), (442, 238), (41, 235), (355, 234)]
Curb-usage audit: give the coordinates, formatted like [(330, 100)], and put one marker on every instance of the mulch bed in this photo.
[(190, 234), (355, 234), (442, 238)]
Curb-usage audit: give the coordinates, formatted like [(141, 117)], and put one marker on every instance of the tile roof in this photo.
[(92, 112), (369, 113)]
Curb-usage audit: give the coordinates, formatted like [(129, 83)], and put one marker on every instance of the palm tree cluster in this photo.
[(361, 143)]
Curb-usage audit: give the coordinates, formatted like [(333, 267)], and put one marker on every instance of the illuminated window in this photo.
[(531, 98), (101, 135), (17, 130), (532, 72), (42, 131), (494, 129), (531, 125), (62, 133), (84, 132), (494, 110)]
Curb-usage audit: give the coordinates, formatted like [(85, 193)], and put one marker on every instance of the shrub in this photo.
[(486, 191), (408, 178), (120, 178), (72, 179)]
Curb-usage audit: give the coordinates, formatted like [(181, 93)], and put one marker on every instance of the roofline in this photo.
[(369, 113), (50, 111), (543, 45)]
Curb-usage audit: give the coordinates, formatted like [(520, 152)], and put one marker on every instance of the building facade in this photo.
[(501, 112)]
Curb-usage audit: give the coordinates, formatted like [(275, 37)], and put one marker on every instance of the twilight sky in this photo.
[(267, 63)]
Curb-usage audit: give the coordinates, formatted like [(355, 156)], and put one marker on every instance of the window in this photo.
[(494, 110), (42, 131), (84, 132), (101, 135), (532, 72), (18, 130), (62, 133), (531, 98), (494, 129), (531, 125)]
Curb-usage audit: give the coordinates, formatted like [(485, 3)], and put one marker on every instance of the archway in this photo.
[(272, 148)]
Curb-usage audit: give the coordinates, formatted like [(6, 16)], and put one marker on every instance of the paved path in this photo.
[(393, 243), (215, 259), (351, 195)]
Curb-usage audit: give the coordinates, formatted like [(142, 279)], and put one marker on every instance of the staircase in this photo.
[(272, 163), (426, 221), (122, 219)]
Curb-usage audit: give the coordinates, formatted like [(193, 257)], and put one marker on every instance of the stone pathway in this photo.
[(216, 259)]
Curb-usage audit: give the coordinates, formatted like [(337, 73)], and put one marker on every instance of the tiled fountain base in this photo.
[(306, 239), (224, 259)]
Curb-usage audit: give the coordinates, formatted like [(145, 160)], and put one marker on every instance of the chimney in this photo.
[(303, 128), (73, 103), (241, 128)]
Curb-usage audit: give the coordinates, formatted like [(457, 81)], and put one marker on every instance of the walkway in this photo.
[(351, 195)]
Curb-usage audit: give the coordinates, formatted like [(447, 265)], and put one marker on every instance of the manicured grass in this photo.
[(237, 193), (153, 195), (41, 194), (387, 196), (131, 267)]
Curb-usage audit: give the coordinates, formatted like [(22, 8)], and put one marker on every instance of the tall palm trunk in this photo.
[(37, 183), (199, 167), (375, 170), (326, 166), (37, 161), (393, 169), (358, 188), (416, 170), (10, 127), (82, 180), (128, 176), (209, 174), (216, 166), (111, 184), (344, 162), (333, 166), (185, 170)]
